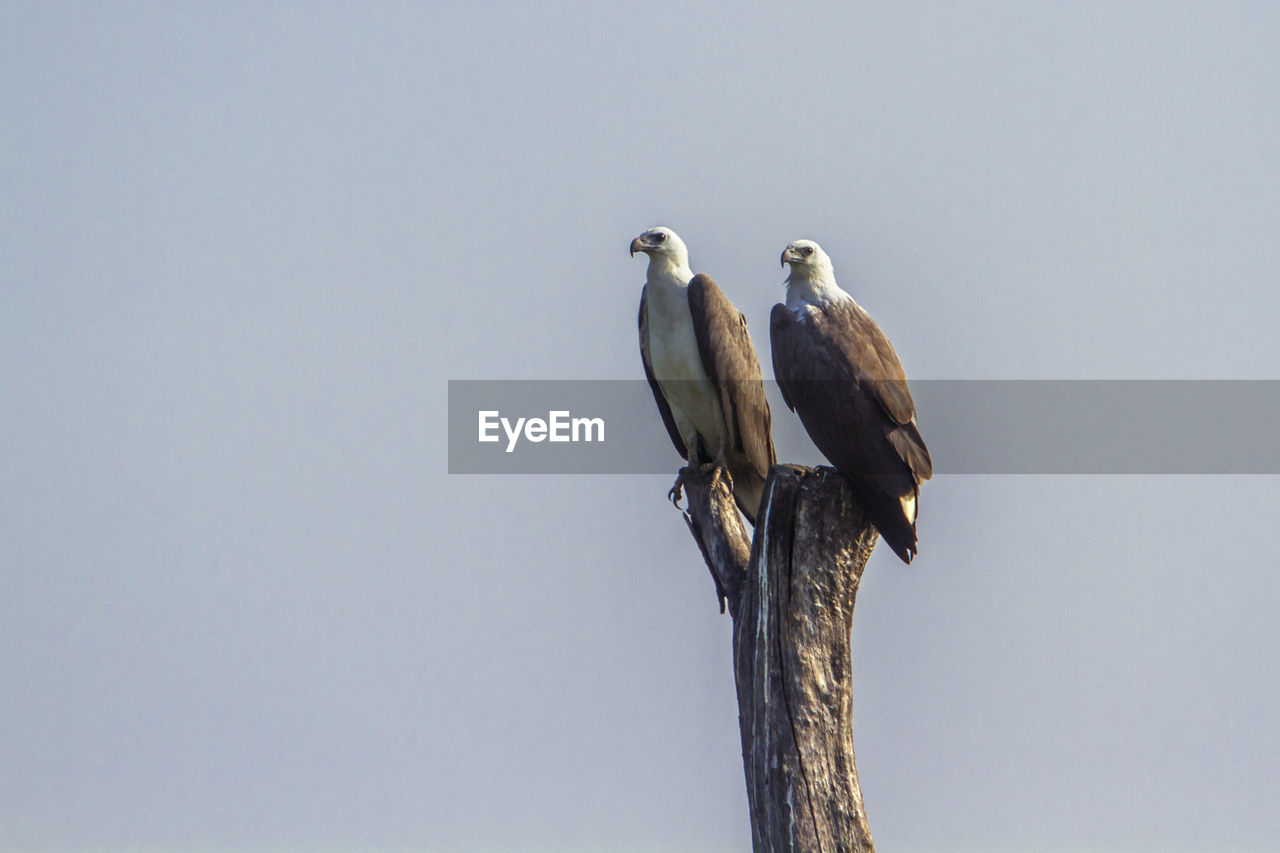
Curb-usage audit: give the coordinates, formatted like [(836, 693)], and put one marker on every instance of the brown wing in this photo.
[(658, 397), (730, 361), (839, 373), (877, 369), (832, 381), (870, 356)]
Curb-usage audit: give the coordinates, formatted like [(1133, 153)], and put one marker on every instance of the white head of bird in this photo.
[(812, 279), (668, 256)]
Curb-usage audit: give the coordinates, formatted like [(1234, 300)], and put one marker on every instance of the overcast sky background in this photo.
[(244, 608)]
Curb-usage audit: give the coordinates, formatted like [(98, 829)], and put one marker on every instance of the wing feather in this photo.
[(840, 374), (729, 358), (663, 408)]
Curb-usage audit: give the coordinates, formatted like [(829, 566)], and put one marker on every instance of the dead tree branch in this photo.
[(791, 591)]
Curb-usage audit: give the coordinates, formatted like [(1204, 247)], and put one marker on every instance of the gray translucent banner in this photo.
[(970, 426)]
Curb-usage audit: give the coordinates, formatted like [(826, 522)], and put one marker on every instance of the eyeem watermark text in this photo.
[(558, 426), (1027, 426)]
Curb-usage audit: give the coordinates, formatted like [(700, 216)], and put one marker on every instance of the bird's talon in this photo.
[(677, 489)]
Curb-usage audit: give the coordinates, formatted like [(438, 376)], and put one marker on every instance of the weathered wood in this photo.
[(791, 597), (719, 530)]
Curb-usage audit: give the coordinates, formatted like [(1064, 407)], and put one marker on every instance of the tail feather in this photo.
[(900, 545), (748, 491), (890, 516)]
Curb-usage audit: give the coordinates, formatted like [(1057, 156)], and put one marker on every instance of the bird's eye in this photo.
[(659, 237), (806, 251)]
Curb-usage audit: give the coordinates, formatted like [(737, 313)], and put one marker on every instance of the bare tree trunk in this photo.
[(791, 592)]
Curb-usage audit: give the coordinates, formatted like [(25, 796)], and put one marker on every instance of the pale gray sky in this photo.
[(244, 608)]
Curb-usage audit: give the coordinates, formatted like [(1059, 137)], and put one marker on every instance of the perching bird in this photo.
[(840, 374), (703, 370)]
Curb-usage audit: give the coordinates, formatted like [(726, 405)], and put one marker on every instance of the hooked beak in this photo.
[(786, 255), (636, 246)]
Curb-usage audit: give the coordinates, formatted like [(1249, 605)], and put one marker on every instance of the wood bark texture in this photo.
[(790, 591)]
